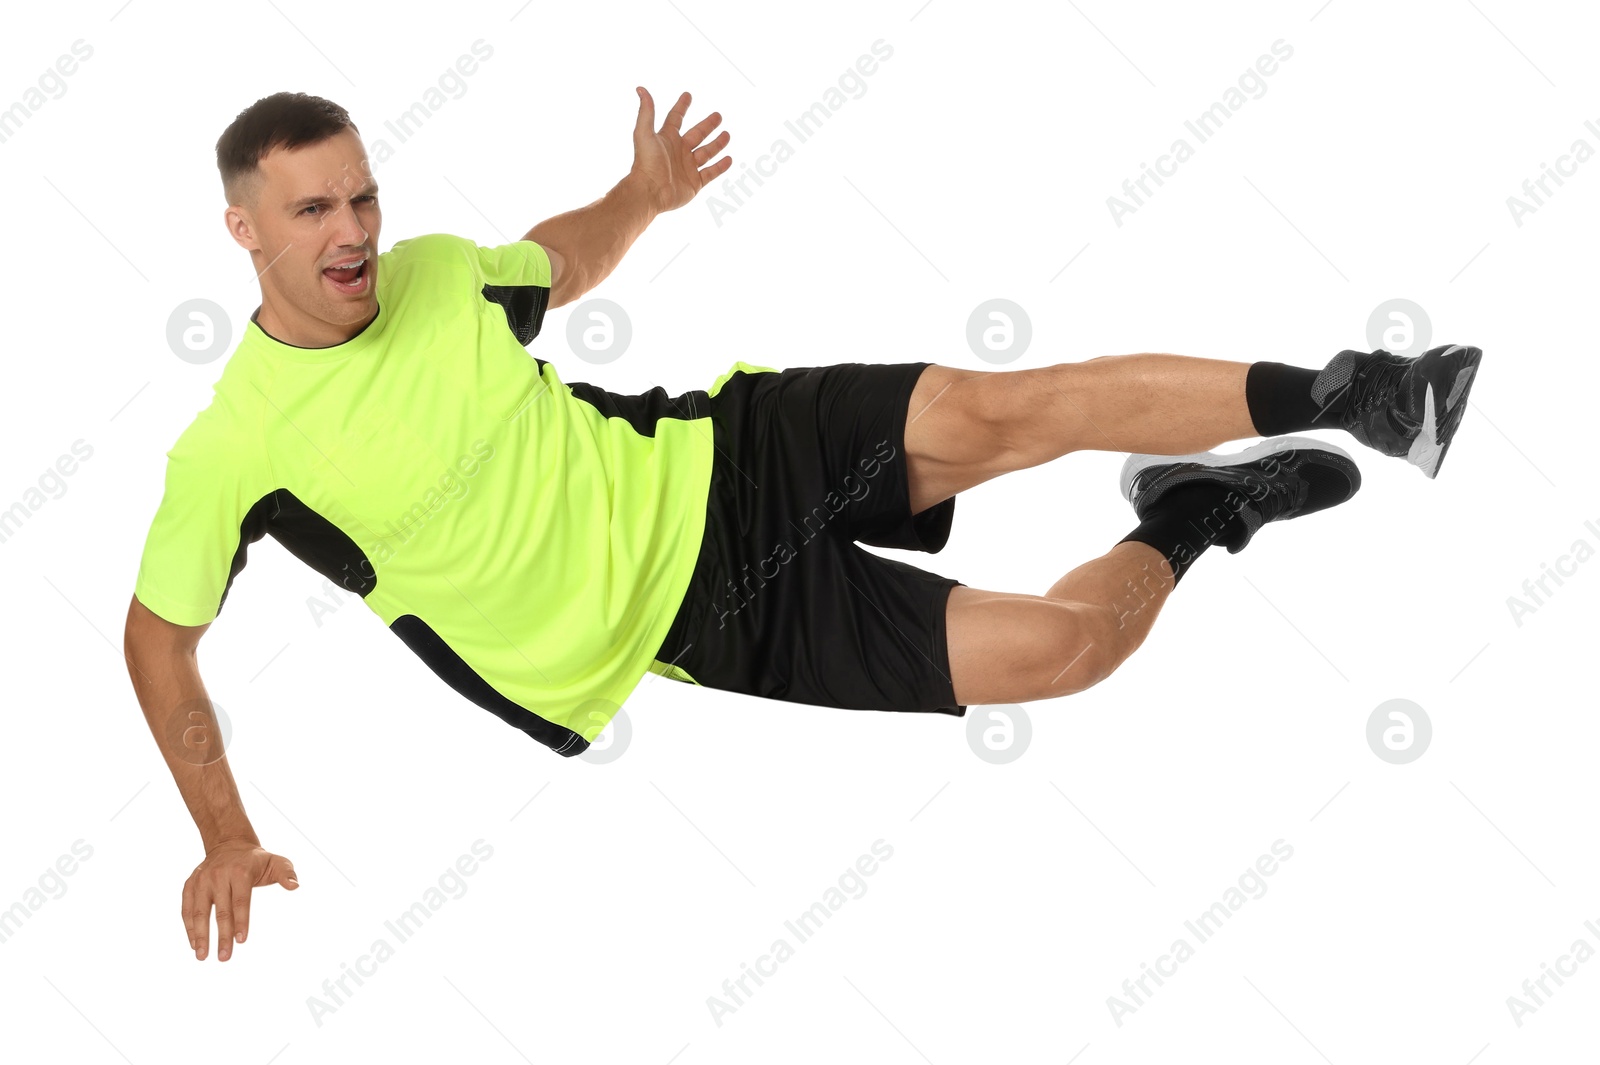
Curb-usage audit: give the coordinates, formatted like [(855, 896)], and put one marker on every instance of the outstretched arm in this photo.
[(166, 678), (586, 244)]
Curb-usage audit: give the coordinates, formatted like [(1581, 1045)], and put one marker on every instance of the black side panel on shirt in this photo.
[(321, 544), (251, 529), (428, 646), (326, 548), (643, 411), (306, 535), (524, 306)]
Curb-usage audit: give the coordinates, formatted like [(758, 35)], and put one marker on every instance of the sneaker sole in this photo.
[(1137, 463)]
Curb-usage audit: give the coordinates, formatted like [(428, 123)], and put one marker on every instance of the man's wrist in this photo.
[(231, 837), (639, 195)]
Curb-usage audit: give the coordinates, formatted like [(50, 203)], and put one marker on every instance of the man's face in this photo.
[(318, 208)]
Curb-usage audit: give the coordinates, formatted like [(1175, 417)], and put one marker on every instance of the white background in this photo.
[(977, 164)]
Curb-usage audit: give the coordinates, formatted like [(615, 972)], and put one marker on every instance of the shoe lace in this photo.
[(1286, 496), (1377, 384)]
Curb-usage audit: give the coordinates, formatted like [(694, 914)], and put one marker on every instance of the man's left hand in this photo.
[(671, 165)]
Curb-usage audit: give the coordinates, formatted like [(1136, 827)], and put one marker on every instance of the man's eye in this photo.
[(367, 198)]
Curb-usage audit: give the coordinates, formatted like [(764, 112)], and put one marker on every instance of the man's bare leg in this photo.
[(967, 426), (1007, 647)]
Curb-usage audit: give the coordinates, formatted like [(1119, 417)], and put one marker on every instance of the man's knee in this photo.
[(1082, 644), (1000, 419)]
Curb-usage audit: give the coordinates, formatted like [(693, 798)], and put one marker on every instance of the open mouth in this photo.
[(352, 280)]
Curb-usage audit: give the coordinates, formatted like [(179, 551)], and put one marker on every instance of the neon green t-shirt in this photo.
[(531, 540)]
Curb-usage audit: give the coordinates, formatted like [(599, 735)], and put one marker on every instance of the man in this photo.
[(542, 544)]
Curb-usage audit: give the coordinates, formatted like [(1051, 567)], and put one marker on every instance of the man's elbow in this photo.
[(565, 284), (567, 289), (561, 294)]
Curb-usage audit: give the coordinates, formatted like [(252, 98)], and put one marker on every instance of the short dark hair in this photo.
[(283, 120)]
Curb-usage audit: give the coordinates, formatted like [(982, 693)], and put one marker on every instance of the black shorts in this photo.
[(784, 603)]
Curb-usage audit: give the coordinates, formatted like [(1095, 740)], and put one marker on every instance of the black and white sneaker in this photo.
[(1285, 477), (1401, 406)]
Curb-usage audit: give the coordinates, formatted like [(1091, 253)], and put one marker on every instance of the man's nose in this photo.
[(347, 226)]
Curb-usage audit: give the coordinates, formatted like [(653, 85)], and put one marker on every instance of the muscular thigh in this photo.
[(950, 444), (1008, 647)]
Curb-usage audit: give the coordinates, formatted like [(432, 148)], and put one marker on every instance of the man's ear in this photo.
[(241, 227)]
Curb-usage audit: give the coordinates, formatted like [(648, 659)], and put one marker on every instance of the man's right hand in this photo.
[(224, 879)]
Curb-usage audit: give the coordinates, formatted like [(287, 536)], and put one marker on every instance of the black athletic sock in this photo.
[(1279, 397), (1188, 520)]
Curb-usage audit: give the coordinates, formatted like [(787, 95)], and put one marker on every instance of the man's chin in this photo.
[(351, 311)]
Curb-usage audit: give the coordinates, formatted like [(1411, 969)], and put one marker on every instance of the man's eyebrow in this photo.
[(370, 189)]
